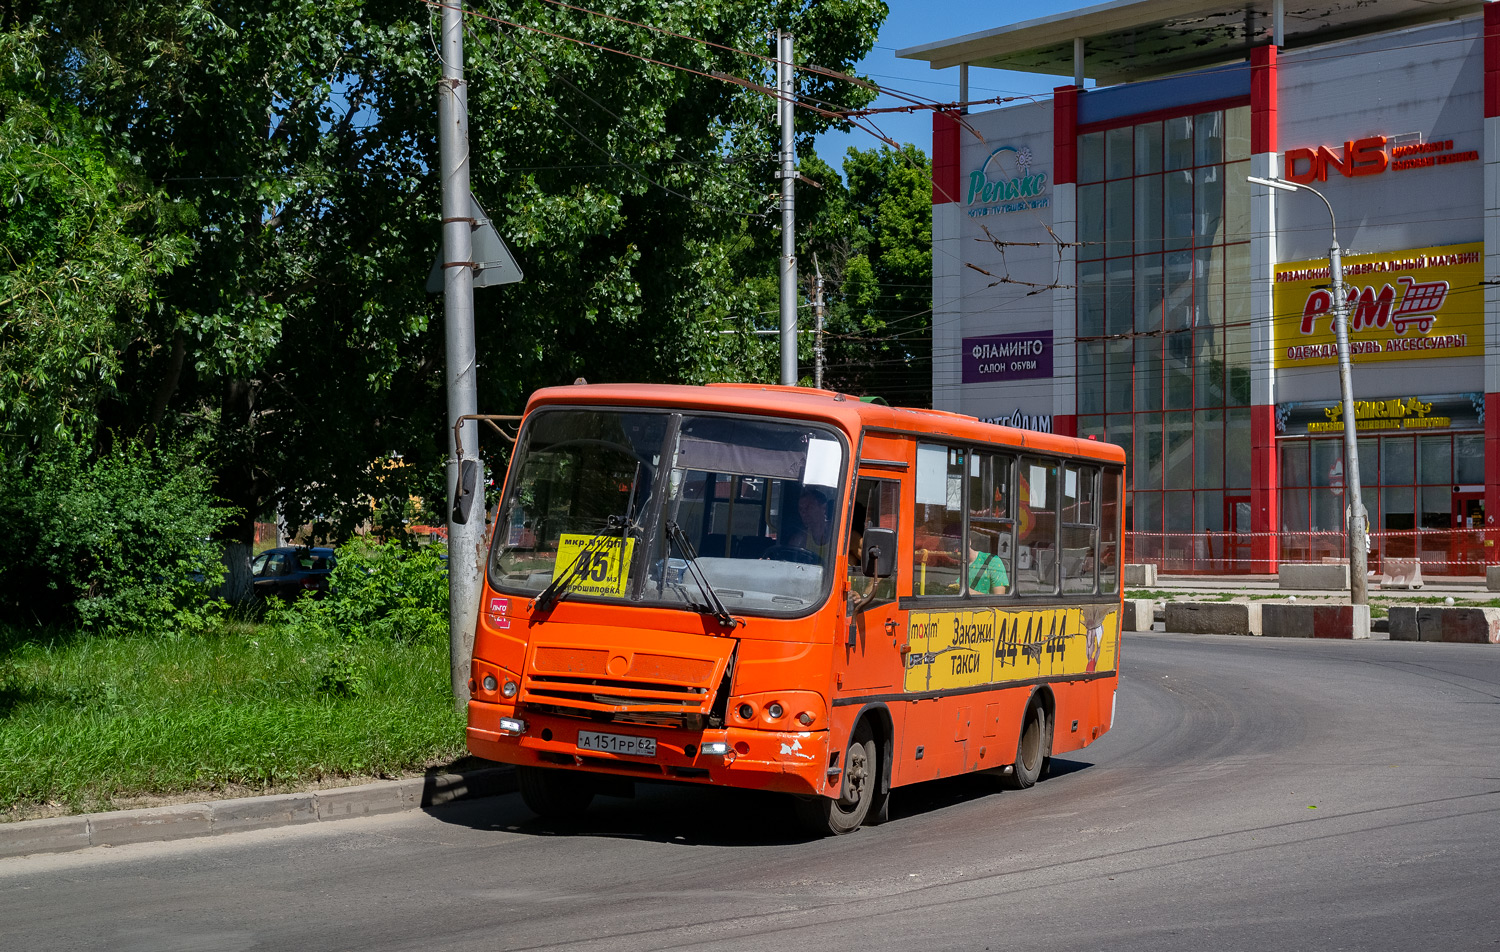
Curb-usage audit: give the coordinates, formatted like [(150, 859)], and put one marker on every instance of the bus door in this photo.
[(874, 626)]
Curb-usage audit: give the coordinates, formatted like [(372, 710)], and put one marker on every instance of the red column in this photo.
[(1263, 99), (1265, 490), (1065, 424), (1065, 135), (1492, 474), (945, 177)]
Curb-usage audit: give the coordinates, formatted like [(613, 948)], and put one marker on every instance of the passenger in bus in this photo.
[(987, 574)]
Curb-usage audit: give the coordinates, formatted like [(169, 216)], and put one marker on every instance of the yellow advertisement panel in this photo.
[(601, 571), (1404, 305), (964, 649)]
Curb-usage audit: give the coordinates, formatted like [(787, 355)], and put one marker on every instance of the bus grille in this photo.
[(652, 689)]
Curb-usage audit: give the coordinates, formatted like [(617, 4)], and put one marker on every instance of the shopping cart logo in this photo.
[(1419, 303)]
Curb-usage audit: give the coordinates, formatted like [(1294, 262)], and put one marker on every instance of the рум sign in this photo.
[(1401, 305)]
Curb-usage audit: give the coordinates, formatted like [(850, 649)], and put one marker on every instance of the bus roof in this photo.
[(842, 410)]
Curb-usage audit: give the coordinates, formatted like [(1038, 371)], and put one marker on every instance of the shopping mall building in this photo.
[(1101, 266)]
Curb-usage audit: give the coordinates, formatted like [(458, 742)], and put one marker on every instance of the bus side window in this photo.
[(877, 503), (937, 535), (989, 563), (1109, 531), (1080, 532), (1036, 527)]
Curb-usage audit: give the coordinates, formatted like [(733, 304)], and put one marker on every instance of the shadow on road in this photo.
[(690, 815)]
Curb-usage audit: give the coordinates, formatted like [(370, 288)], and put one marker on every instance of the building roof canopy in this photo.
[(1127, 40)]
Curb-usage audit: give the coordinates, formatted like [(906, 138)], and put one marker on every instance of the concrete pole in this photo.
[(1358, 554), (817, 324), (787, 86), (464, 541), (963, 86)]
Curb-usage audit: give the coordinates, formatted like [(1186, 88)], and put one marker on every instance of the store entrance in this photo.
[(1467, 538), (1237, 538)]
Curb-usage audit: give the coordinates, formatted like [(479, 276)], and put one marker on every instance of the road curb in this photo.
[(214, 817)]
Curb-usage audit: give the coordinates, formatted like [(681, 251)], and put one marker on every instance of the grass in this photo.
[(88, 721)]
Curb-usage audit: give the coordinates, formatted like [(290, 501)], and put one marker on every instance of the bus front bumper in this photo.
[(781, 761)]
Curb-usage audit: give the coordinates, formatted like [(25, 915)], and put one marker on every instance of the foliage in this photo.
[(378, 590), (114, 544), (304, 137), (872, 236), (84, 242)]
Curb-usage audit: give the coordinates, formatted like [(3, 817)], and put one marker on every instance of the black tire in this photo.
[(858, 790), (1032, 749), (554, 794)]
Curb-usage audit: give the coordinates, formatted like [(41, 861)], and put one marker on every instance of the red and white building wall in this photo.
[(1157, 300)]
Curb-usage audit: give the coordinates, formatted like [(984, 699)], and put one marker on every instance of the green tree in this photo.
[(304, 136), (870, 234)]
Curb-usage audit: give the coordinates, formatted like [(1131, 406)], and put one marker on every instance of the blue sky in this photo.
[(915, 22)]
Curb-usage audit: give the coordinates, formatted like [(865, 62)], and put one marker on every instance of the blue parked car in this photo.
[(292, 571)]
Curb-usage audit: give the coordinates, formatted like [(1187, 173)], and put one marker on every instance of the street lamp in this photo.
[(1358, 549)]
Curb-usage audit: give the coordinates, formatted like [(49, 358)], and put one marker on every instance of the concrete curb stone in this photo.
[(215, 817)]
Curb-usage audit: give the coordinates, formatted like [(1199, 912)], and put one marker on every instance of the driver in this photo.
[(813, 508)]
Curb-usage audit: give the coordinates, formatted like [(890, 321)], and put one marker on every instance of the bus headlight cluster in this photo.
[(510, 689)]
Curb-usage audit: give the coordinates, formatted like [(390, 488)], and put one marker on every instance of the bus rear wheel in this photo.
[(554, 794), (857, 790), (1031, 749)]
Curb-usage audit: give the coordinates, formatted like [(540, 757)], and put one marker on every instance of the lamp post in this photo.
[(1358, 546)]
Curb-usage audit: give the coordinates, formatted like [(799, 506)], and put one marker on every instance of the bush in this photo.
[(118, 543), (379, 590)]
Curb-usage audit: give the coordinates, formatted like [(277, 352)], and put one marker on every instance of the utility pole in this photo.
[(786, 87), (1359, 553), (464, 539), (817, 324)]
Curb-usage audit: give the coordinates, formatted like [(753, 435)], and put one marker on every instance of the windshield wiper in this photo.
[(715, 604), (560, 586)]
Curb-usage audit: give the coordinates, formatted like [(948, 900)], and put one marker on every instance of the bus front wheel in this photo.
[(857, 791), (1031, 749), (554, 794)]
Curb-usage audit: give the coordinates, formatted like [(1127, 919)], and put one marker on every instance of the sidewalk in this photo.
[(1461, 589), (215, 817)]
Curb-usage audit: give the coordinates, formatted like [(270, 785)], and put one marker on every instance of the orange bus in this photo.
[(791, 590)]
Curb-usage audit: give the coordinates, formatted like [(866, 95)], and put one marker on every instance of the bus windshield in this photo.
[(614, 503)]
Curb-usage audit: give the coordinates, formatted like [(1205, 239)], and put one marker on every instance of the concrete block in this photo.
[(1139, 614), (367, 799), (1287, 620), (1330, 577), (1214, 618), (1429, 624), (1403, 623), (151, 825), (258, 813), (1139, 574), (1470, 626), (44, 836), (1492, 578), (1401, 573)]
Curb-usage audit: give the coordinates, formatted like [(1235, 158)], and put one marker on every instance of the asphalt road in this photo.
[(1256, 794)]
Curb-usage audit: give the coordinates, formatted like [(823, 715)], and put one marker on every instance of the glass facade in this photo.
[(1423, 495), (1163, 325)]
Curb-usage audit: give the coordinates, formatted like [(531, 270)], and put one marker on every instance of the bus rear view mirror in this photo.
[(879, 552), (463, 493)]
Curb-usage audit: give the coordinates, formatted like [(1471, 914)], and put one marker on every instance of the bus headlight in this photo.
[(490, 683), (510, 689)]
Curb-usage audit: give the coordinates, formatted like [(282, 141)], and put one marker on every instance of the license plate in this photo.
[(617, 744)]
